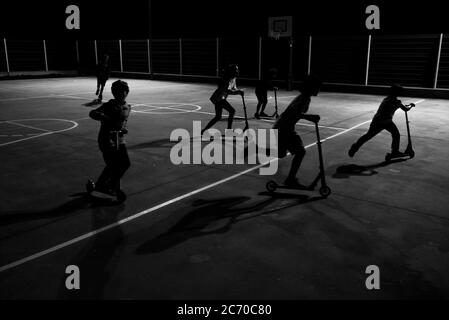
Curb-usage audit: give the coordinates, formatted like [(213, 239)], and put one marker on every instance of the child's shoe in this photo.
[(352, 150), (397, 154)]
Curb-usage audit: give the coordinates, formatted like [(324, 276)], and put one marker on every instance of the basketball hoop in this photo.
[(275, 35), (280, 27)]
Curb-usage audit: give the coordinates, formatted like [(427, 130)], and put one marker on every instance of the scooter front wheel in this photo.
[(325, 191), (90, 186), (271, 186), (121, 196)]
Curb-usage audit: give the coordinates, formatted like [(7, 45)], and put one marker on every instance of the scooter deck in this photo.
[(272, 186), (119, 197), (283, 186), (389, 157)]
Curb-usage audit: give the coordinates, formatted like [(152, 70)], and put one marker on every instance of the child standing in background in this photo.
[(103, 73), (262, 87)]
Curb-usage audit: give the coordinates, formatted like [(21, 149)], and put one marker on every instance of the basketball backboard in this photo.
[(280, 27)]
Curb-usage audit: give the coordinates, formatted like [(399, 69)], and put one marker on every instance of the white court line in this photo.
[(25, 126), (166, 108), (72, 95), (197, 111), (74, 125), (18, 135), (307, 125), (157, 207), (235, 117), (27, 98)]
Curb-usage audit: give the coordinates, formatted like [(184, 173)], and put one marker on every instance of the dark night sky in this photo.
[(201, 18)]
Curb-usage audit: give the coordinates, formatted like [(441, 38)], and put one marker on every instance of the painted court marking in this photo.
[(159, 206), (176, 107), (152, 209), (194, 111), (34, 136)]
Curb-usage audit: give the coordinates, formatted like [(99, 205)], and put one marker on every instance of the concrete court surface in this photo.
[(212, 231)]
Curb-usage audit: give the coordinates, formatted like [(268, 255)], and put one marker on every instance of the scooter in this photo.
[(324, 190), (275, 114), (246, 116), (116, 194), (409, 152)]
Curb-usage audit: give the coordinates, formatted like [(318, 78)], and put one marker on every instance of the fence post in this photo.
[(309, 63), (260, 58), (180, 56), (368, 60), (77, 53), (290, 66), (96, 52), (438, 62), (6, 55), (218, 57), (121, 55), (149, 56), (45, 56)]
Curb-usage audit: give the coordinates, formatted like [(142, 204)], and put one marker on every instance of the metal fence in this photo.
[(420, 61)]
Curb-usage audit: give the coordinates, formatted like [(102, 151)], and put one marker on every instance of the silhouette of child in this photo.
[(103, 73), (383, 120), (113, 116), (262, 87), (226, 86), (288, 138)]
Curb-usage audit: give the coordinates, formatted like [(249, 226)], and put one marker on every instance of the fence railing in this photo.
[(420, 61)]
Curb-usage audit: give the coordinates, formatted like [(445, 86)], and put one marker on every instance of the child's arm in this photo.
[(234, 90), (404, 108), (98, 114), (407, 107), (124, 129)]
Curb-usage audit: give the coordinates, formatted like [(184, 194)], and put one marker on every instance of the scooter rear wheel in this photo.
[(90, 186), (121, 196), (325, 191), (271, 186)]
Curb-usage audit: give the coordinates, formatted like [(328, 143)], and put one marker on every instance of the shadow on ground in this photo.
[(348, 170), (93, 103), (215, 217), (79, 203), (99, 256)]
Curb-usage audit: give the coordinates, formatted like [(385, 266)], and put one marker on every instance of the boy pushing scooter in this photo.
[(288, 138), (383, 120)]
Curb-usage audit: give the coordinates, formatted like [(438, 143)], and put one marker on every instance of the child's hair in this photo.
[(231, 71), (395, 90), (119, 87), (311, 83)]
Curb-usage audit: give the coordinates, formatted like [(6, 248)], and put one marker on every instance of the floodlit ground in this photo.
[(212, 231)]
